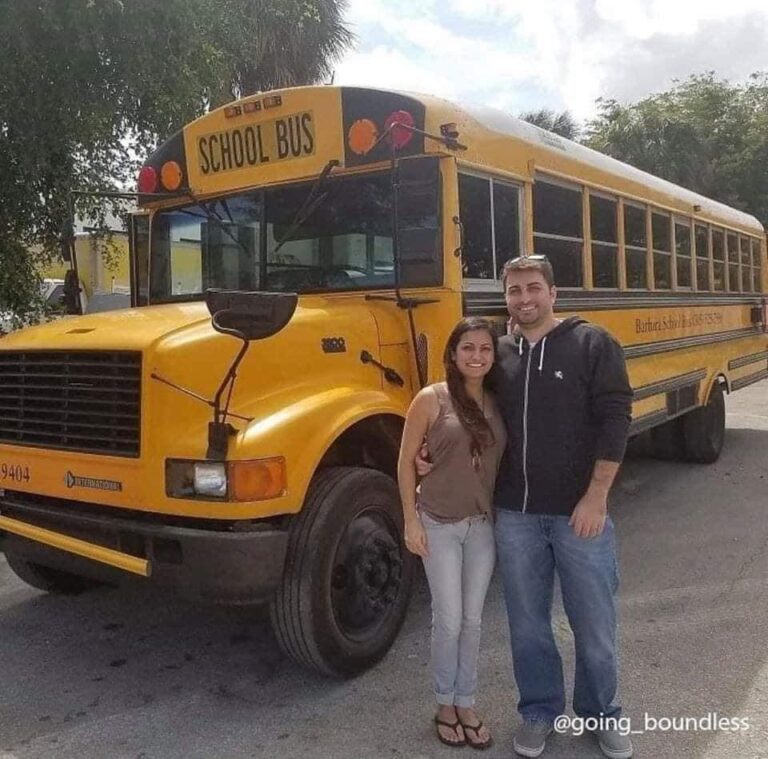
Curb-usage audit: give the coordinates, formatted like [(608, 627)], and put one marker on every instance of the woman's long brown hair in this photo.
[(470, 414)]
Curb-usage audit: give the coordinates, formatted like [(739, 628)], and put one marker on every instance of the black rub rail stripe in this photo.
[(664, 346), (488, 302), (738, 384), (752, 358), (646, 421), (667, 385)]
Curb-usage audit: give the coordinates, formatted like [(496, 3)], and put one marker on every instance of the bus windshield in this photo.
[(252, 241)]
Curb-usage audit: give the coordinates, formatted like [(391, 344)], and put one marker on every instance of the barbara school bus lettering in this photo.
[(255, 144)]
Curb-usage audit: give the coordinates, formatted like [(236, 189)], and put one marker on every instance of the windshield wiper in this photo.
[(307, 208)]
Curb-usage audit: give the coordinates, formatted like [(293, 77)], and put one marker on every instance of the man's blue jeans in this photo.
[(530, 547)]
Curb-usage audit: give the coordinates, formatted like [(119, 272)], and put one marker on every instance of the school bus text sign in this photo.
[(256, 144), (673, 322)]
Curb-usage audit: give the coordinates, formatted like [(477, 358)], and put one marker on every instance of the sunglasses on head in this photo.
[(533, 257)]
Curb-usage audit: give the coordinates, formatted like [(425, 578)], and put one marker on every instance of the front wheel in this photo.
[(348, 575), (704, 429)]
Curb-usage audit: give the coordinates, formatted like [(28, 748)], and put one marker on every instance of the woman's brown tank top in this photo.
[(455, 489)]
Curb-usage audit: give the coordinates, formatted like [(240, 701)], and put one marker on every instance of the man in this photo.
[(563, 389)]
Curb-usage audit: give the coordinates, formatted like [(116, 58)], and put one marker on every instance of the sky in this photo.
[(522, 55)]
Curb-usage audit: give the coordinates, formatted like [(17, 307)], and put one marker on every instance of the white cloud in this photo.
[(521, 55), (391, 69)]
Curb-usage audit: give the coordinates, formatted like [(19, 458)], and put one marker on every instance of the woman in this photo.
[(450, 527)]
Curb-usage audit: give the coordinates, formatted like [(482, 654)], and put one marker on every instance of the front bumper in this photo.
[(224, 563)]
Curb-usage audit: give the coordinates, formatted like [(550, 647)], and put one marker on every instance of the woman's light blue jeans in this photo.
[(531, 548), (459, 569)]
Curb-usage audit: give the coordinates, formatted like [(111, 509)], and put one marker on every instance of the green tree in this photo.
[(89, 87), (560, 123), (704, 133)]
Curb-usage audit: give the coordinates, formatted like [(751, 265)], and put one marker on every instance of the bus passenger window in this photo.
[(702, 258), (605, 265), (683, 253), (662, 251), (733, 262), (718, 255), (506, 222), (557, 230), (745, 259), (475, 214), (636, 247), (757, 284)]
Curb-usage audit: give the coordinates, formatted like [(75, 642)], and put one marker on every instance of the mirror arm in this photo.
[(229, 379)]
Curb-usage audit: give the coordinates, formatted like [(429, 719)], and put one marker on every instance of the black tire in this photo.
[(348, 576), (48, 579), (704, 429), (667, 441)]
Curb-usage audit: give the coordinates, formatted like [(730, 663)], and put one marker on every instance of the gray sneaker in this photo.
[(531, 738), (614, 744)]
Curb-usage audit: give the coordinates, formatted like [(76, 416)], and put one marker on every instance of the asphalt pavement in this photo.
[(137, 674)]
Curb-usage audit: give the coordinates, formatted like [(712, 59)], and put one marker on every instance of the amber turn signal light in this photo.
[(170, 175), (257, 480), (362, 136)]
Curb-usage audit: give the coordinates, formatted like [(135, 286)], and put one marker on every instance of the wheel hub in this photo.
[(367, 574)]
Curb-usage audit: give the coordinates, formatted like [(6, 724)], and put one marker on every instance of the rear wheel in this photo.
[(348, 575), (667, 441), (704, 429), (49, 579)]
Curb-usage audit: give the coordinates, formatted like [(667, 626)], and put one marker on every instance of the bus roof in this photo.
[(498, 141), (555, 153)]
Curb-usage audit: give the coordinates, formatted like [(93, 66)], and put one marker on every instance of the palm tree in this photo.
[(560, 123), (295, 43)]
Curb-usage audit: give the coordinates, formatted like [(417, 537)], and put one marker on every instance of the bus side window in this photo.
[(557, 230), (475, 214), (662, 251), (746, 263), (702, 258), (605, 264), (683, 253), (718, 255), (757, 282), (732, 241), (506, 223), (636, 246)]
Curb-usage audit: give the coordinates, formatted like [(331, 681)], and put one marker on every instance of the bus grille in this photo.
[(88, 401)]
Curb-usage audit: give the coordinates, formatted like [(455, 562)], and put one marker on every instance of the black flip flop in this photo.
[(478, 744), (453, 725)]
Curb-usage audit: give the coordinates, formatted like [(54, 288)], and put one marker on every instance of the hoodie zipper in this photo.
[(525, 428)]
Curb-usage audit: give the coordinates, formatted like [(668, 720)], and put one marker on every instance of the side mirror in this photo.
[(250, 315), (419, 238)]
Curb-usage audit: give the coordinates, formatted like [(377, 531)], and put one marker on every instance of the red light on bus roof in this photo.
[(147, 179), (400, 136)]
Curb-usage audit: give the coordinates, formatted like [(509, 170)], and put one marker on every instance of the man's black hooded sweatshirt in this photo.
[(567, 402)]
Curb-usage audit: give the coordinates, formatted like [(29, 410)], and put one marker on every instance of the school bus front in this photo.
[(249, 464)]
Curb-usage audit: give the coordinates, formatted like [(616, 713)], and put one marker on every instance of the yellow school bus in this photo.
[(297, 263)]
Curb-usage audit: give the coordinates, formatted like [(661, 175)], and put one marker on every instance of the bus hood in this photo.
[(128, 329)]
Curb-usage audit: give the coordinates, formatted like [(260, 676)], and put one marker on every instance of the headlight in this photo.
[(235, 481), (210, 480)]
